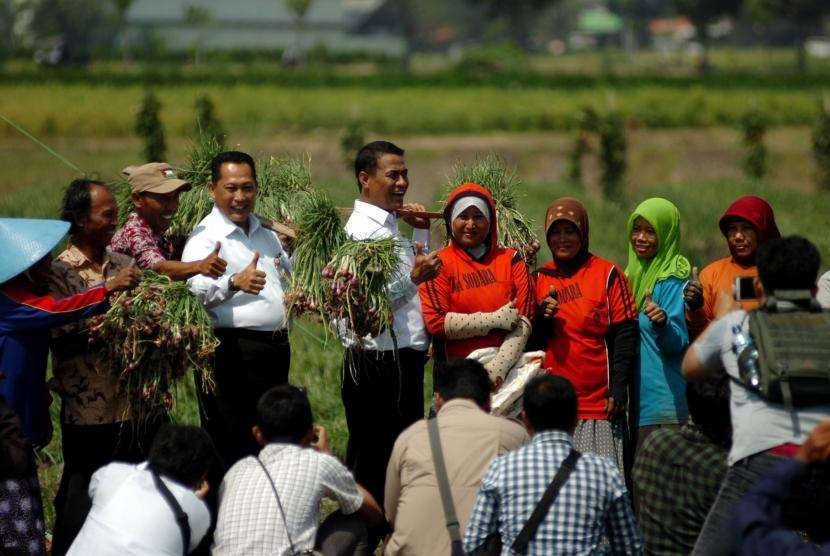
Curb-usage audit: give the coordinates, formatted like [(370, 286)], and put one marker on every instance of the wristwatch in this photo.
[(231, 286)]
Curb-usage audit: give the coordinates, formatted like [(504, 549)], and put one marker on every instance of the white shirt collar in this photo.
[(222, 224), (374, 212)]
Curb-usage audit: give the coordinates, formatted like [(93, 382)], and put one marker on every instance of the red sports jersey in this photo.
[(591, 300)]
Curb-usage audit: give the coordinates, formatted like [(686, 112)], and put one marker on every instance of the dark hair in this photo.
[(228, 157), (709, 407), (788, 263), (77, 201), (464, 378), (284, 414), (549, 403), (367, 157), (183, 453)]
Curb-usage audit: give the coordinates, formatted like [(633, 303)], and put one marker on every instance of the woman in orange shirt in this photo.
[(746, 224), (587, 325), (482, 296)]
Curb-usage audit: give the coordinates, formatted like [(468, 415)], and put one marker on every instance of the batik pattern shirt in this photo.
[(87, 386), (137, 240)]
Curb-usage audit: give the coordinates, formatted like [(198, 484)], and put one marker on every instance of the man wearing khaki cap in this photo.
[(155, 196)]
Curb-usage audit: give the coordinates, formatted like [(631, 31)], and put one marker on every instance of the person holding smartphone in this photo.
[(748, 223)]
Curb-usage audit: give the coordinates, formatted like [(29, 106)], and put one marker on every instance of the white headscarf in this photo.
[(463, 203)]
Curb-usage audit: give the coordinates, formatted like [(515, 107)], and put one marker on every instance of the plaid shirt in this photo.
[(140, 242), (249, 521), (677, 475), (592, 504)]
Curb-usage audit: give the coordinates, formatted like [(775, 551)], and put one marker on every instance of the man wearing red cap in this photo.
[(747, 223)]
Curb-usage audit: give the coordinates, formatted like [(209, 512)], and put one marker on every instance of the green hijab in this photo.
[(644, 274)]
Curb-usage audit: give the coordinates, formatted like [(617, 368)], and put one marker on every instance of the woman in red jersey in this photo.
[(587, 325), (483, 296)]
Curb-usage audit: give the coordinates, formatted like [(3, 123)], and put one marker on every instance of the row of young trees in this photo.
[(600, 134)]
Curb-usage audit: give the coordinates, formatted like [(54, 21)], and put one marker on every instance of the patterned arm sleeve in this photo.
[(144, 250), (484, 520)]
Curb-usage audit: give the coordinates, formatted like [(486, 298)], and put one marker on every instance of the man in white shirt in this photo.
[(270, 504), (382, 394), (131, 517), (246, 303), (763, 433)]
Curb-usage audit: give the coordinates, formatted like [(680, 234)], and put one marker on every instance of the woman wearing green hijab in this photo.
[(658, 272)]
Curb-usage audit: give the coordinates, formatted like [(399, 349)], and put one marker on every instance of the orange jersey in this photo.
[(592, 300), (717, 277), (466, 285)]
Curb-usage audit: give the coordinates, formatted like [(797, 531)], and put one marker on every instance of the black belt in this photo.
[(263, 336)]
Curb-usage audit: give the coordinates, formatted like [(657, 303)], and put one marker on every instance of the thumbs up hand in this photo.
[(249, 279), (653, 311), (693, 292), (213, 266), (549, 305), (426, 267)]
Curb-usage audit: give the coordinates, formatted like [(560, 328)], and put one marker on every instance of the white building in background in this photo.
[(262, 25)]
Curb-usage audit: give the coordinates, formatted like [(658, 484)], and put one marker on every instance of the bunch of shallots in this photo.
[(152, 336)]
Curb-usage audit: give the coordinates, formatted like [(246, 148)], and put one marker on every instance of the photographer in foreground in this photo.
[(771, 418)]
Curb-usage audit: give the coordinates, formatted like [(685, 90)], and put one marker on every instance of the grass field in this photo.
[(695, 169), (105, 111)]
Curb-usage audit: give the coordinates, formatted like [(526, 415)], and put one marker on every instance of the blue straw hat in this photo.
[(25, 241)]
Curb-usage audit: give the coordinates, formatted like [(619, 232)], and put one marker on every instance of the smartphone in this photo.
[(745, 288)]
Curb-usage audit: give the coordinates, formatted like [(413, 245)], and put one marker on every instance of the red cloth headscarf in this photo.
[(757, 212)]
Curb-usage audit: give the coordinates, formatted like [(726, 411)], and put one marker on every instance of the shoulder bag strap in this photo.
[(540, 511), (279, 503), (181, 517), (453, 527)]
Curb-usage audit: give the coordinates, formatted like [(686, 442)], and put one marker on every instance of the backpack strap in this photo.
[(181, 517), (541, 510), (453, 528)]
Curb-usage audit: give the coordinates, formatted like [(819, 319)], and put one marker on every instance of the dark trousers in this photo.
[(342, 535), (86, 448), (717, 537), (247, 363), (381, 400)]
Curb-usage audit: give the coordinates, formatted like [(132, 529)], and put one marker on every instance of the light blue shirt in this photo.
[(659, 384)]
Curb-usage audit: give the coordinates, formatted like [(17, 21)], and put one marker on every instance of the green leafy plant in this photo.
[(148, 126), (353, 138), (754, 162), (821, 147), (206, 120), (613, 150), (491, 172)]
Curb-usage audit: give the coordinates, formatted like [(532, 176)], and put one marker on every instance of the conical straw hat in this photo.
[(24, 241)]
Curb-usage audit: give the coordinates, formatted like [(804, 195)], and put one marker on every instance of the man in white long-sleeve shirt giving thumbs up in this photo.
[(246, 303)]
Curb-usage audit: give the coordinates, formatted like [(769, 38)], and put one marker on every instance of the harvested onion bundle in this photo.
[(319, 233), (515, 230), (359, 275), (152, 336), (283, 185)]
